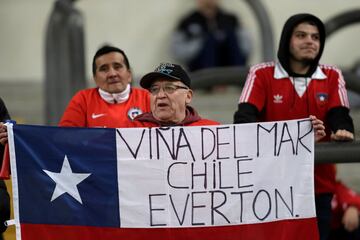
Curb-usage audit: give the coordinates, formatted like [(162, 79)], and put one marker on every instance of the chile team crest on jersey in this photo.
[(321, 98), (133, 112)]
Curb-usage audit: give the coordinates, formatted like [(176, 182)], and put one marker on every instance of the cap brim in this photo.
[(147, 80)]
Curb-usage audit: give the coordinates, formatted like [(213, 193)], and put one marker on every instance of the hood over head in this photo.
[(284, 45)]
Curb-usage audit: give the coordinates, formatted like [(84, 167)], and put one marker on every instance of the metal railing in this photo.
[(337, 152)]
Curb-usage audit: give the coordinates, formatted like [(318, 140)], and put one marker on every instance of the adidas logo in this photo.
[(278, 98)]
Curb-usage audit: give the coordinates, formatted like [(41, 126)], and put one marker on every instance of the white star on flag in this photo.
[(66, 181)]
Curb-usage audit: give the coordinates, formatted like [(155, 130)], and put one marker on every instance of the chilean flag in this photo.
[(173, 183)]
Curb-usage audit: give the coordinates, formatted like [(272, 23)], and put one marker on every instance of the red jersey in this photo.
[(88, 109), (343, 198), (275, 95)]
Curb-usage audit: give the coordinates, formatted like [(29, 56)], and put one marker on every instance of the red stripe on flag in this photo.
[(281, 230), (5, 168)]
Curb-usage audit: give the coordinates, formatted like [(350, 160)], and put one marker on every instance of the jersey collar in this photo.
[(280, 73), (115, 97)]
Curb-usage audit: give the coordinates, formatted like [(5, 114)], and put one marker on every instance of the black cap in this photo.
[(167, 70)]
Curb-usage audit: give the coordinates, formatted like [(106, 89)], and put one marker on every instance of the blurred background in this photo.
[(143, 30)]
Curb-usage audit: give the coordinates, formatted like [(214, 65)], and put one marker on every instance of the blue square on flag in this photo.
[(71, 182)]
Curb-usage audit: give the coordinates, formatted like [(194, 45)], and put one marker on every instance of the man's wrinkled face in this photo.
[(305, 42), (168, 100), (112, 74)]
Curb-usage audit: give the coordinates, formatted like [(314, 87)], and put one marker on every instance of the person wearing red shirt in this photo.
[(345, 213), (297, 86), (113, 103), (170, 95)]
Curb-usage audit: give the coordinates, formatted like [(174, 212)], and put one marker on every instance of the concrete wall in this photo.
[(142, 29)]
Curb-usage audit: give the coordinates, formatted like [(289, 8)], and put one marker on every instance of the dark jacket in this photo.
[(4, 195), (224, 21)]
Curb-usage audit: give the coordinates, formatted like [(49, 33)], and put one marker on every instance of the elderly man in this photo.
[(170, 95)]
